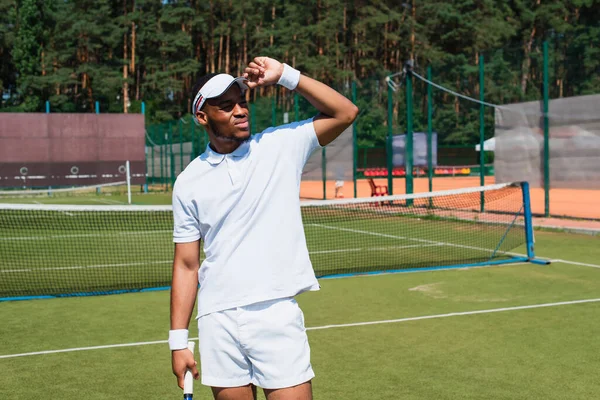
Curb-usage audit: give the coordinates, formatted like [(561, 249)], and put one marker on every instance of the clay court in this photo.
[(574, 203)]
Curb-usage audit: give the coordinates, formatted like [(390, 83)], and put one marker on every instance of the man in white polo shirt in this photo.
[(241, 198)]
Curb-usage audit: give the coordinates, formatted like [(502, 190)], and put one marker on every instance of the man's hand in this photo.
[(181, 360), (263, 71)]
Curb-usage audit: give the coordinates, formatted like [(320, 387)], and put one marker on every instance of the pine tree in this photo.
[(27, 53), (8, 12)]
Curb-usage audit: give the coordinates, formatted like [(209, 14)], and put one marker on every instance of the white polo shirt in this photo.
[(245, 206)]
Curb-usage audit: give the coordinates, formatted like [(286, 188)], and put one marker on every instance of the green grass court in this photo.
[(505, 332), (536, 353)]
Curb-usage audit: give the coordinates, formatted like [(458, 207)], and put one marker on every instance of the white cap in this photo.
[(216, 86)]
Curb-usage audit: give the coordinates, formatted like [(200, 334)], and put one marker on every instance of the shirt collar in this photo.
[(215, 158)]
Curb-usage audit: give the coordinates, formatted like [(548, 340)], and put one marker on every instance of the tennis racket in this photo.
[(188, 379)]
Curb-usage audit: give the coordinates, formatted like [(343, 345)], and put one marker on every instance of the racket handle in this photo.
[(188, 380)]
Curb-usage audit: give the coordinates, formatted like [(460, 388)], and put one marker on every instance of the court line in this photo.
[(316, 328), (81, 235), (109, 201), (384, 248), (574, 263), (136, 264)]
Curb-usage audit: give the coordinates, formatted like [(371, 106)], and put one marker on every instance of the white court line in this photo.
[(373, 249), (575, 263), (316, 328), (107, 201), (137, 264), (86, 235)]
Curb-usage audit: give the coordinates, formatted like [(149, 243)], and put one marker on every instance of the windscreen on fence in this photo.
[(574, 143), (338, 165)]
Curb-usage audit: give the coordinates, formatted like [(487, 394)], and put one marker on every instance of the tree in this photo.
[(27, 52)]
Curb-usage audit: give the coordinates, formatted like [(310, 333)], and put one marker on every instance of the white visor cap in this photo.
[(216, 86)]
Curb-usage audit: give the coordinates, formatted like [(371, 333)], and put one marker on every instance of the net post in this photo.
[(528, 220), (409, 130), (481, 131), (354, 141), (47, 107), (546, 137), (429, 133), (128, 177), (97, 107), (388, 142)]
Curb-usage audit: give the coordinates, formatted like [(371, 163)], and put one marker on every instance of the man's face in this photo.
[(227, 115)]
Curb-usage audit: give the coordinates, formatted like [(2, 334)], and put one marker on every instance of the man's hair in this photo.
[(201, 82)]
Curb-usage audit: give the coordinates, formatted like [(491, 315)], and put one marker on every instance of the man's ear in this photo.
[(202, 118)]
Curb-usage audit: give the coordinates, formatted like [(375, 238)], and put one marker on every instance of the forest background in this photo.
[(120, 53)]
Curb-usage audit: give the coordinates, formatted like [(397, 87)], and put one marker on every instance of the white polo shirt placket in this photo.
[(233, 168)]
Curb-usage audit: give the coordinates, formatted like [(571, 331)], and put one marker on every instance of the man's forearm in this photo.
[(327, 100), (184, 289)]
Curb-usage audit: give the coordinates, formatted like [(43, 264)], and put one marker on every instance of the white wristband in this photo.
[(178, 339), (289, 78)]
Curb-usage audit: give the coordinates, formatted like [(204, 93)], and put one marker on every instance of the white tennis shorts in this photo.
[(263, 343)]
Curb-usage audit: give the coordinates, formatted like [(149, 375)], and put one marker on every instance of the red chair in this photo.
[(378, 190)]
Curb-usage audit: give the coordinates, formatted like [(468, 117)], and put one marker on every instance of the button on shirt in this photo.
[(245, 206)]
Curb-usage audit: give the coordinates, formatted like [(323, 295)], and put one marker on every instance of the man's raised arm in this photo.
[(337, 112)]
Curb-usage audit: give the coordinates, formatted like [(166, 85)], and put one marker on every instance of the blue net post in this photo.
[(529, 238), (528, 219), (97, 107), (47, 107)]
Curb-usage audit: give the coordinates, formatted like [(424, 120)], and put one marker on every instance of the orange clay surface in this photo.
[(573, 203)]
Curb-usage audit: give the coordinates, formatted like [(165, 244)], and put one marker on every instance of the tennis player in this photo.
[(241, 198)]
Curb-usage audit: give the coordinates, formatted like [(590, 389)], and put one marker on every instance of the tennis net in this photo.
[(60, 250)]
